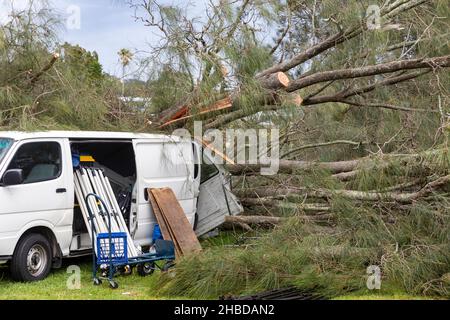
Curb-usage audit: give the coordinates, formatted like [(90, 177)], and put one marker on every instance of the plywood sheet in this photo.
[(173, 219)]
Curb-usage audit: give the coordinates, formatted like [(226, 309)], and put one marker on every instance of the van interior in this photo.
[(116, 159)]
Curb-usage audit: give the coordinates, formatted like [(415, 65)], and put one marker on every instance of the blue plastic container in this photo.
[(119, 248), (157, 235), (75, 160)]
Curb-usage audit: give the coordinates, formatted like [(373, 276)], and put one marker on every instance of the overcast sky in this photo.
[(106, 26)]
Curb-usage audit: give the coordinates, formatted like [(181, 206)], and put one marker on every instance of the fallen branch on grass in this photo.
[(254, 220), (290, 166), (247, 222), (401, 197), (274, 202), (342, 170), (322, 144)]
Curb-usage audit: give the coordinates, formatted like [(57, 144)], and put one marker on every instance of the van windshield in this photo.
[(5, 144)]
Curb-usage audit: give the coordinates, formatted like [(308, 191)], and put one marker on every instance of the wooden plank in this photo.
[(179, 226), (177, 222), (162, 221), (172, 236), (160, 218)]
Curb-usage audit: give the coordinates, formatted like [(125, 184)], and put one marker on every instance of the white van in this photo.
[(40, 222)]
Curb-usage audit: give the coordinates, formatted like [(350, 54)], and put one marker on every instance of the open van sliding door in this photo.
[(162, 163), (215, 200)]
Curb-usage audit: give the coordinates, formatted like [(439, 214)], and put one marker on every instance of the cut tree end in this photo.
[(275, 81), (297, 100), (283, 79)]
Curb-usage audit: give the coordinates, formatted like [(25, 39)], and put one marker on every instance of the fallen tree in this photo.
[(205, 44), (356, 105)]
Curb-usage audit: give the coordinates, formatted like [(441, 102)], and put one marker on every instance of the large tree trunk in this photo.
[(400, 197), (290, 166), (254, 220), (343, 170), (271, 202)]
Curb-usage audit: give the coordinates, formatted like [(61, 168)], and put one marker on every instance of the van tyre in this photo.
[(32, 259)]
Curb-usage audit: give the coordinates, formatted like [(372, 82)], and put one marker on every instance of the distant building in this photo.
[(140, 103)]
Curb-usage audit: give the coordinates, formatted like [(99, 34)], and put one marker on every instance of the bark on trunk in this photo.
[(274, 202), (254, 220), (290, 166), (400, 197)]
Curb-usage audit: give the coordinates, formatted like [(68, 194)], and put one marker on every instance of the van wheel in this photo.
[(32, 259)]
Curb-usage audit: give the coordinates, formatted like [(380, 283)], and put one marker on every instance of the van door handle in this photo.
[(61, 190)]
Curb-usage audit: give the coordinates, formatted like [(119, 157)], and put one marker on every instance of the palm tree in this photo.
[(125, 57)]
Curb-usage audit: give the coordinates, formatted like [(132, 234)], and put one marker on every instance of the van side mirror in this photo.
[(13, 177)]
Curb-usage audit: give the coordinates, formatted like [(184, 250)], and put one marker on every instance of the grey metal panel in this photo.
[(212, 205)]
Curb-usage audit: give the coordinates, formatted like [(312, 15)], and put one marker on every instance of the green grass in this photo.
[(55, 287), (135, 287), (385, 297), (388, 291), (132, 287), (412, 254)]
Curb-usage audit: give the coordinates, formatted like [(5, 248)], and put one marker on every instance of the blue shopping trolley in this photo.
[(111, 251)]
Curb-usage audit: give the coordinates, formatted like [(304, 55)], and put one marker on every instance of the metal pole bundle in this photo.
[(92, 180)]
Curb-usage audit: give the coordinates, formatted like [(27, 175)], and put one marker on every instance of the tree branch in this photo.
[(346, 93), (389, 67), (47, 67), (323, 144), (386, 106), (282, 36), (395, 9)]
